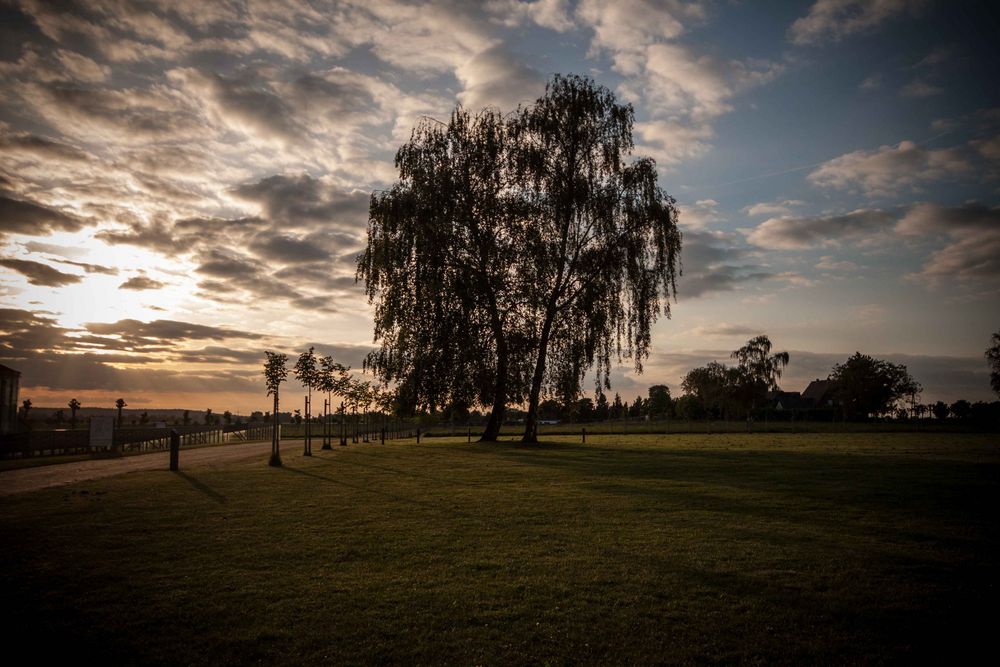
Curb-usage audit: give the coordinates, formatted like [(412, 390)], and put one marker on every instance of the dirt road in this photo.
[(42, 477)]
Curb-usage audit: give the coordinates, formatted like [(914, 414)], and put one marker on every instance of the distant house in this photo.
[(786, 400), (819, 394), (10, 386)]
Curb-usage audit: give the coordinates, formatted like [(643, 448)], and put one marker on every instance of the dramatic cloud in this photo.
[(496, 78), (169, 330), (698, 215), (828, 263), (670, 142), (141, 283), (285, 248), (683, 88), (889, 169), (805, 232), (304, 201), (19, 216), (713, 262), (246, 105), (552, 14), (126, 116), (972, 253), (773, 209), (40, 274), (630, 24), (90, 268), (25, 145), (835, 19), (724, 330)]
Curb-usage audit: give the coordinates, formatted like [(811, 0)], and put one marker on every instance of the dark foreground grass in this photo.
[(763, 548)]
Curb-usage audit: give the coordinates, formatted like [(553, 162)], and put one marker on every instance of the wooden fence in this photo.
[(55, 443)]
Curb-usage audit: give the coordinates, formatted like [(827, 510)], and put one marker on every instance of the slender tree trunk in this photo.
[(307, 443), (495, 421), (275, 443), (531, 419)]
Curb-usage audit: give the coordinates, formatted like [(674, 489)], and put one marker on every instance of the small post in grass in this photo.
[(470, 435), (583, 433), (175, 450), (418, 435)]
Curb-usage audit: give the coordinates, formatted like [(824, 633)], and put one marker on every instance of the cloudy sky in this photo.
[(184, 184)]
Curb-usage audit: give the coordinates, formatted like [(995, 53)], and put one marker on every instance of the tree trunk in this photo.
[(495, 421), (275, 443), (531, 419)]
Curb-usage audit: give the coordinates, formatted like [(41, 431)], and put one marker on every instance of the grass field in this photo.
[(783, 548)]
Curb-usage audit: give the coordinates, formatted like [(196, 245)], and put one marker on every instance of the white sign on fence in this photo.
[(102, 432)]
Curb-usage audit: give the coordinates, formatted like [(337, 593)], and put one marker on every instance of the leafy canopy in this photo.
[(275, 371), (868, 386), (518, 251)]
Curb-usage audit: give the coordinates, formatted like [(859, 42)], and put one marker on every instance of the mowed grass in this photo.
[(835, 548)]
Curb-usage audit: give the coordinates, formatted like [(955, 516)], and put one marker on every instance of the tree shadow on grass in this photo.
[(396, 471), (790, 485), (202, 487), (435, 506)]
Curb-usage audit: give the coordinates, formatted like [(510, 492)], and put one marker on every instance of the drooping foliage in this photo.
[(601, 246), (713, 387), (758, 370), (516, 252), (438, 267)]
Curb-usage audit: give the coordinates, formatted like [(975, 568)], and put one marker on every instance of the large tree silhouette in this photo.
[(601, 246), (516, 252), (758, 371), (868, 386), (441, 246)]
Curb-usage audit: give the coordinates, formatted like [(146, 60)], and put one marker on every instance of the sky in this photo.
[(185, 184)]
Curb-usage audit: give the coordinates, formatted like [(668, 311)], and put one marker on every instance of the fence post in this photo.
[(175, 450)]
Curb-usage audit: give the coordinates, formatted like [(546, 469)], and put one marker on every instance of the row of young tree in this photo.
[(361, 399)]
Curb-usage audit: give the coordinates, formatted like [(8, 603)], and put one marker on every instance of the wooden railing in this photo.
[(69, 441)]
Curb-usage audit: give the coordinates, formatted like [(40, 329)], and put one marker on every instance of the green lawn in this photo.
[(696, 548)]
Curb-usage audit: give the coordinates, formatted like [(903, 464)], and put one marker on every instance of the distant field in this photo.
[(769, 548)]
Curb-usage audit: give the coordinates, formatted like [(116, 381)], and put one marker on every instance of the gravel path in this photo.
[(43, 477)]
